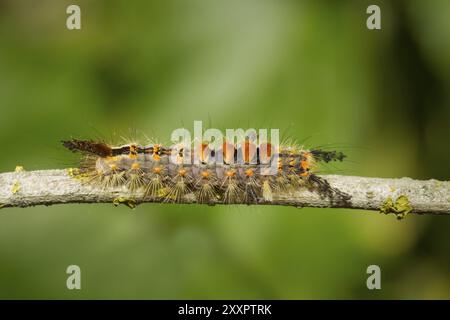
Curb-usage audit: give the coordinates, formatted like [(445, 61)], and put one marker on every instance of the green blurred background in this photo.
[(310, 68)]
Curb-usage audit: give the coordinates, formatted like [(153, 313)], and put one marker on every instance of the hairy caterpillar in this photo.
[(238, 177)]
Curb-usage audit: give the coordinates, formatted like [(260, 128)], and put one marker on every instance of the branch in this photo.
[(398, 196)]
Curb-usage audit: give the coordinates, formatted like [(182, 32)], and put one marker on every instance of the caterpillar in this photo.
[(237, 176)]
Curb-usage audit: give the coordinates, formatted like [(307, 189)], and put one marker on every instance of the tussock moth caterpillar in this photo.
[(233, 173)]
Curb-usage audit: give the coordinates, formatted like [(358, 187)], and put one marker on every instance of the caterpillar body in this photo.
[(238, 178)]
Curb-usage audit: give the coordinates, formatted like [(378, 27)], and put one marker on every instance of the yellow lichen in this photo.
[(163, 192), (401, 207), (129, 202), (19, 169), (15, 187), (73, 172)]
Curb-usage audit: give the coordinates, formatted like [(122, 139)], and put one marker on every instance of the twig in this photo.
[(398, 196)]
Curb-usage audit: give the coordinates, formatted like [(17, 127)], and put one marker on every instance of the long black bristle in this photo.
[(328, 156), (87, 146)]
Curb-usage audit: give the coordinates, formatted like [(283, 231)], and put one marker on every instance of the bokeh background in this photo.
[(310, 68)]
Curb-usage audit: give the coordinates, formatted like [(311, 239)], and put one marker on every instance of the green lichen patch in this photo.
[(401, 207), (129, 202)]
